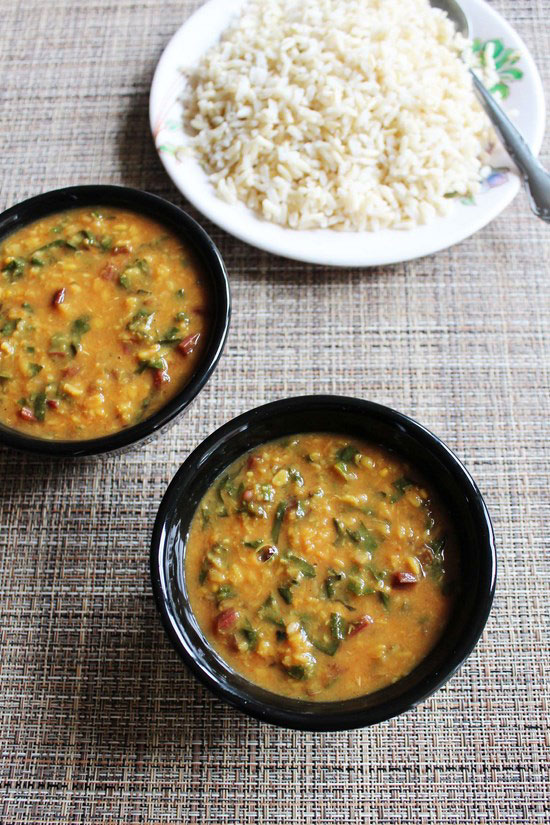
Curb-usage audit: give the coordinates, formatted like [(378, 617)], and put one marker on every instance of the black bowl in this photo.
[(214, 270), (379, 425)]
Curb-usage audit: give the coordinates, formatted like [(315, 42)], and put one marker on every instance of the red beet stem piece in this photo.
[(226, 619), (188, 344), (161, 377), (27, 415), (58, 297), (404, 579), (109, 272), (363, 622)]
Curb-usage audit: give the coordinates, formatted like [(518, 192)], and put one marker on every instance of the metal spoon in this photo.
[(535, 177)]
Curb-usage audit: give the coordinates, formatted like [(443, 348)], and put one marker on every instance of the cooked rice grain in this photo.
[(349, 114)]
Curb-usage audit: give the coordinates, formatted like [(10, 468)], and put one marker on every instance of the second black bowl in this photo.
[(213, 267), (370, 422)]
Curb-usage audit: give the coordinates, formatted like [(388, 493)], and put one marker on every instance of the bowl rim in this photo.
[(291, 718), (163, 211)]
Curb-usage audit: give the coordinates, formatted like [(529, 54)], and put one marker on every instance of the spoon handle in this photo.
[(536, 179)]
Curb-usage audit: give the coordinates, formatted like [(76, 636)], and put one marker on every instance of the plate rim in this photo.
[(341, 256)]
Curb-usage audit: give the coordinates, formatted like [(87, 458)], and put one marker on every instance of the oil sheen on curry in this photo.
[(321, 567), (103, 317)]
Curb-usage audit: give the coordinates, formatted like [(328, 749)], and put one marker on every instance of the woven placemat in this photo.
[(99, 721)]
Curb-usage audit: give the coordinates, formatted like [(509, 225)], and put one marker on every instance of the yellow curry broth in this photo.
[(103, 317), (321, 567)]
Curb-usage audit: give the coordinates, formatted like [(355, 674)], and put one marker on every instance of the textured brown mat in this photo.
[(99, 722)]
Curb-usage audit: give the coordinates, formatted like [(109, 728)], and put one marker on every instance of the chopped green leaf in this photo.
[(269, 611), (133, 275), (220, 486), (379, 575), (347, 453), (217, 553), (79, 326), (252, 508), (81, 238), (14, 269), (60, 344), (304, 567), (363, 537), (342, 469), (297, 672), (151, 363), (285, 592), (384, 598), (400, 486), (278, 520), (356, 584), (330, 583), (328, 647), (296, 476), (203, 573), (225, 592), (39, 406), (254, 544), (250, 635), (338, 627), (171, 337), (9, 327), (205, 517), (141, 322), (340, 531)]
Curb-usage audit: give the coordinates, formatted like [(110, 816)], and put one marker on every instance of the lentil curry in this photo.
[(103, 317), (321, 567)]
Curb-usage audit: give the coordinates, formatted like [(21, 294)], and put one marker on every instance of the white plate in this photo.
[(324, 246)]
